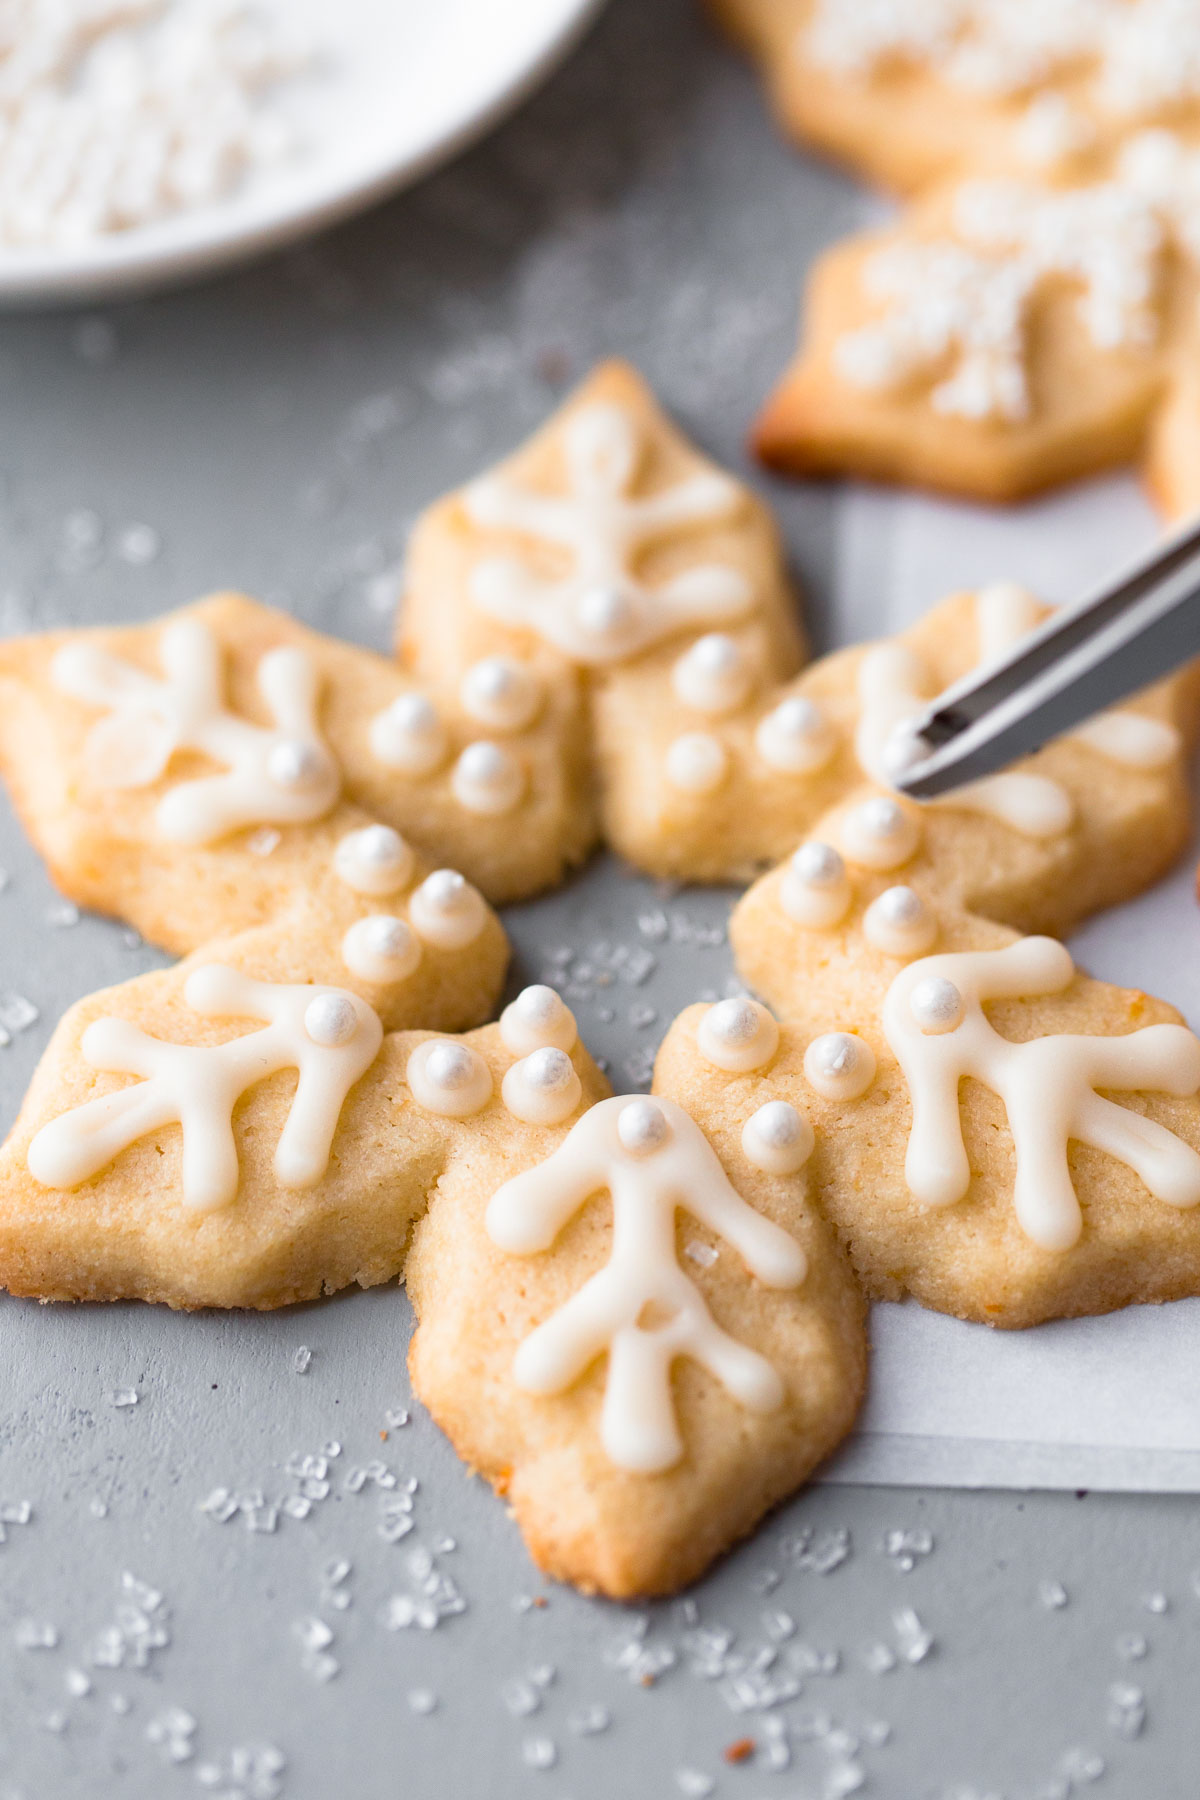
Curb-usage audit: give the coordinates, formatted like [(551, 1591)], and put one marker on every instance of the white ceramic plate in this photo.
[(408, 83)]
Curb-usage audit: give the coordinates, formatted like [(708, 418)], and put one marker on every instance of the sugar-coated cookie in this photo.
[(645, 1340)]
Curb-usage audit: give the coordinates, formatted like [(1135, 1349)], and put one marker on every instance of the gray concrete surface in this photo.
[(279, 431)]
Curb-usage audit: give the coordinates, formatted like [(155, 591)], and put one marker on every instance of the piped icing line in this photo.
[(601, 612), (652, 1159), (934, 1020), (282, 775), (330, 1037)]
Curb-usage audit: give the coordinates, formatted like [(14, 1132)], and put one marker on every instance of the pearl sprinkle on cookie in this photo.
[(298, 767), (839, 1066), (937, 1006), (501, 693), (879, 834), (537, 1019), (899, 923), (816, 890), (543, 1088), (446, 911), (712, 676), (409, 736), (381, 948), (697, 763), (738, 1036), (643, 1127), (449, 1078), (487, 779), (796, 738), (375, 860), (331, 1020), (777, 1139)]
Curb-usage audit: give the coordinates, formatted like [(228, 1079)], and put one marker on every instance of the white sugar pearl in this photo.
[(816, 890), (738, 1035), (777, 1139), (330, 1020), (446, 911), (936, 1005), (839, 1066), (487, 779), (409, 736), (296, 766), (375, 860), (381, 948), (643, 1127), (604, 612), (501, 693), (535, 1019), (879, 834), (697, 763), (902, 748), (713, 676), (448, 1078), (542, 1089), (796, 738), (899, 923)]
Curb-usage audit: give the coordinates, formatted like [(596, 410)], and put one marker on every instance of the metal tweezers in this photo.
[(1080, 661)]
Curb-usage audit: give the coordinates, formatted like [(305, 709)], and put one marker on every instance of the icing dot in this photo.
[(542, 1089), (937, 1005), (696, 763), (816, 891), (738, 1035), (902, 749), (535, 1019), (381, 948), (297, 766), (331, 1019), (448, 1078), (643, 1127), (839, 1066), (446, 911), (713, 675), (604, 612), (777, 1139), (796, 737), (487, 779), (409, 736), (501, 693), (375, 860), (879, 834), (899, 923)]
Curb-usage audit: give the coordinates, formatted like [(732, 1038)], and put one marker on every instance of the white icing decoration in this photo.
[(601, 611), (329, 1037), (448, 1078), (381, 949), (641, 1308), (738, 1035), (936, 1005), (1048, 1086), (409, 736), (374, 860), (501, 693), (543, 1088), (278, 775), (713, 675), (777, 1139), (697, 763), (816, 890), (446, 911), (796, 737), (487, 779), (839, 1066), (879, 834), (899, 923), (537, 1019)]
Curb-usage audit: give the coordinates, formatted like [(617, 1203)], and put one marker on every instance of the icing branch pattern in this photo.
[(934, 1020), (601, 612), (279, 775), (328, 1036), (641, 1308)]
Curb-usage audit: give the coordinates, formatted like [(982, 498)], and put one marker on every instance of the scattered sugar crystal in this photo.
[(703, 1255), (905, 1547), (331, 1449), (264, 842), (261, 1518), (138, 545), (55, 1721), (765, 1581), (312, 1633), (220, 1505), (124, 1397), (520, 1697), (694, 1783), (1131, 1646), (97, 1507), (876, 1733), (35, 1634), (779, 1626), (1083, 1765), (15, 1512), (913, 1640), (1126, 1710), (589, 1721), (16, 1014), (296, 1506), (62, 915), (539, 1752), (877, 1659), (1155, 1603), (1052, 1594), (301, 1359), (336, 1570), (320, 1665), (422, 1700), (819, 1553), (843, 1778), (395, 1418), (774, 1752), (77, 1683)]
